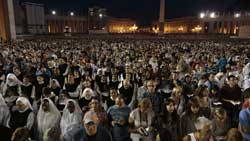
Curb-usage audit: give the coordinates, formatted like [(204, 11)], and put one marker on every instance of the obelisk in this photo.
[(162, 17)]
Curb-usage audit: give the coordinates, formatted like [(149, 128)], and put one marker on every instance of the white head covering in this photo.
[(14, 81), (4, 112), (246, 69), (202, 122), (71, 120), (26, 102), (46, 120), (84, 93), (2, 101)]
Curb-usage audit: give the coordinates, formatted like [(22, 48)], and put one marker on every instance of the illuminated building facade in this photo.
[(222, 23), (180, 25), (209, 23), (121, 25), (62, 24)]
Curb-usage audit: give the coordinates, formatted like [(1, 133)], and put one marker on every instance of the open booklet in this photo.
[(233, 102)]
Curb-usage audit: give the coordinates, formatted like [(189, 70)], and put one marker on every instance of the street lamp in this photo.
[(53, 12), (202, 15), (100, 15), (237, 15), (72, 13), (212, 15)]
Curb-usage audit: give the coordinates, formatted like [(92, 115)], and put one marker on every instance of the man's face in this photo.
[(119, 101), (94, 104), (195, 109), (151, 87), (40, 79), (25, 80), (126, 83), (91, 128), (211, 77), (232, 82), (113, 93), (45, 105), (71, 107), (170, 107)]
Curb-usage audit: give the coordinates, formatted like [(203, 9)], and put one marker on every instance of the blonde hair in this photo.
[(145, 102), (234, 135), (176, 90)]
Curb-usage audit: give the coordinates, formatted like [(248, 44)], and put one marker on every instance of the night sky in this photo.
[(146, 11)]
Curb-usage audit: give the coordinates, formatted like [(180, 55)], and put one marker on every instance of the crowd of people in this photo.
[(122, 89)]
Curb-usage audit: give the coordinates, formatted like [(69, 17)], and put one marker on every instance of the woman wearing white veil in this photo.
[(48, 116), (86, 97), (12, 82), (246, 77), (4, 112), (72, 116), (5, 132), (23, 115)]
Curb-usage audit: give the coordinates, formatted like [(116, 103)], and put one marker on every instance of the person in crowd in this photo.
[(27, 88), (189, 118), (12, 84), (234, 135), (113, 95), (86, 97), (202, 93), (62, 100), (52, 134), (155, 97), (48, 116), (179, 99), (140, 120), (39, 85), (203, 132), (21, 134), (220, 124), (231, 99), (4, 112), (127, 90), (22, 115), (71, 117), (118, 115), (96, 107), (168, 121), (91, 130), (47, 93), (244, 123), (55, 87), (4, 117), (72, 87)]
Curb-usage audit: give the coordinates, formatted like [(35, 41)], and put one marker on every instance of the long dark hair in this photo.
[(194, 101), (165, 114)]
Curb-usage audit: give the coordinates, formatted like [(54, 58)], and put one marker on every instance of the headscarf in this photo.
[(2, 101), (84, 94), (14, 81), (246, 70), (4, 112), (46, 120), (26, 102), (71, 120)]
